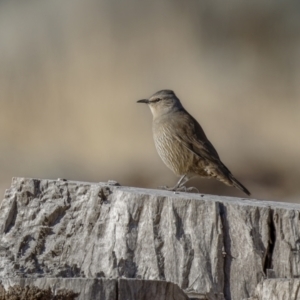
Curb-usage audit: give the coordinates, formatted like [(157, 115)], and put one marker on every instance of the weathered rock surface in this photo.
[(84, 288), (218, 246), (273, 289)]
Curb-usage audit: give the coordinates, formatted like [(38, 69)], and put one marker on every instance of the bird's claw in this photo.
[(165, 187), (191, 189), (179, 188), (187, 189)]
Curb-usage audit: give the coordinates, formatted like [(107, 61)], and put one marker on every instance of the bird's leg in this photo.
[(183, 179), (180, 184), (177, 186)]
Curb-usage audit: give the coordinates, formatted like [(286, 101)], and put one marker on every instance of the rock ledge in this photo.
[(220, 247)]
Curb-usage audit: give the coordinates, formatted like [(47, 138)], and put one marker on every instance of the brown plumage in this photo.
[(182, 144)]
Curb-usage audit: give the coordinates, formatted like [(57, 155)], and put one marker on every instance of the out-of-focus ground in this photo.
[(71, 72)]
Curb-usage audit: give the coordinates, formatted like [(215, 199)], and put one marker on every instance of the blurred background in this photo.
[(72, 71)]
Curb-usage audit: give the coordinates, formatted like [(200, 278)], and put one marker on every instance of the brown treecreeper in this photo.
[(182, 144)]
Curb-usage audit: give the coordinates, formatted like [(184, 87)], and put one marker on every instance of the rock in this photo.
[(149, 290), (283, 289), (211, 246), (85, 288)]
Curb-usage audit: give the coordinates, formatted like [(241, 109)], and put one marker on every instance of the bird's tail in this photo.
[(229, 179), (238, 185), (222, 173)]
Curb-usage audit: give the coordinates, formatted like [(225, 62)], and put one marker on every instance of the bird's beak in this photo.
[(143, 101)]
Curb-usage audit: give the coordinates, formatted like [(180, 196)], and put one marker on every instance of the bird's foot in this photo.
[(191, 189), (164, 187), (179, 188)]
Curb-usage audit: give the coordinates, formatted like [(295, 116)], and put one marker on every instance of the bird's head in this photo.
[(162, 102)]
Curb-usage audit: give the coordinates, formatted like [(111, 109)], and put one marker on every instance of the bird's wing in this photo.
[(195, 140), (204, 150)]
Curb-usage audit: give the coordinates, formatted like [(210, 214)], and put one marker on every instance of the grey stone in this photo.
[(80, 288), (212, 247), (89, 289), (129, 289), (277, 289)]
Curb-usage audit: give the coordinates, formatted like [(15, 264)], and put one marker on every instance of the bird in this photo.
[(182, 144)]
